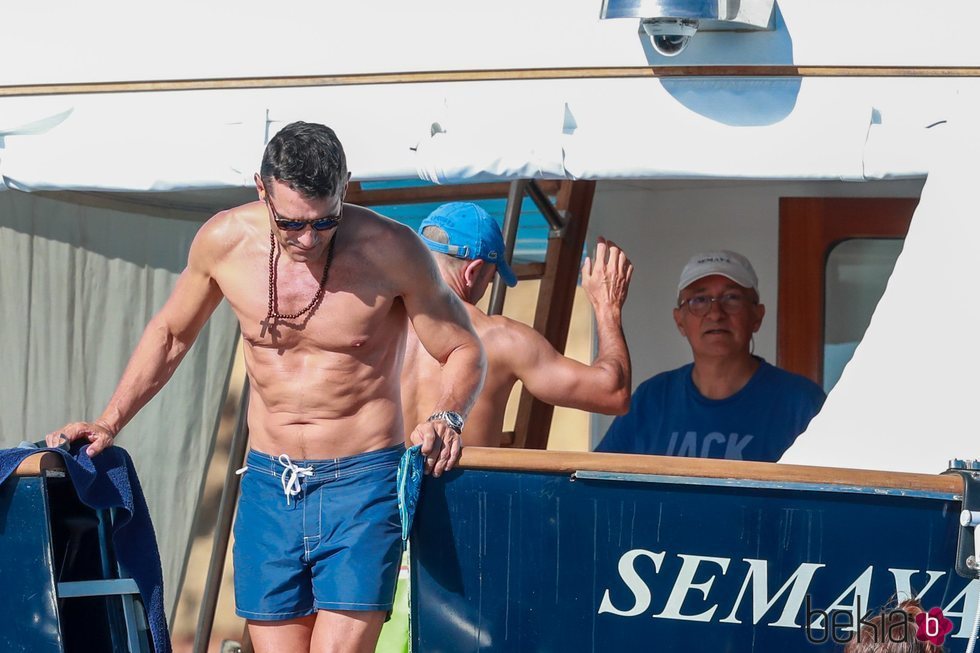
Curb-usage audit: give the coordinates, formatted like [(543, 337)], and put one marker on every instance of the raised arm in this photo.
[(444, 330), (165, 341), (604, 386)]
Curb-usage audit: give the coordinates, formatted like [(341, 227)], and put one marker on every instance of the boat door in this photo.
[(835, 257)]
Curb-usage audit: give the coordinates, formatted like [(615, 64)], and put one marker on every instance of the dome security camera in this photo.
[(669, 35)]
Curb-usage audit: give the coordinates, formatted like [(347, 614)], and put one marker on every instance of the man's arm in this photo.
[(165, 341), (604, 386), (444, 329)]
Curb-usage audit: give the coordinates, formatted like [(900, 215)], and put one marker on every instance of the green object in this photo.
[(394, 635)]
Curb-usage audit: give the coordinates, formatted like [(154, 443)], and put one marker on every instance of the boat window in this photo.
[(855, 276)]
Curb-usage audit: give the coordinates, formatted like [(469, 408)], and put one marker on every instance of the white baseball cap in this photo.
[(728, 264)]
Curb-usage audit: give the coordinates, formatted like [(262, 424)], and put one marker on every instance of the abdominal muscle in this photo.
[(315, 405)]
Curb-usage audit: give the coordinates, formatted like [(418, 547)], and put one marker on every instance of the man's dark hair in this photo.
[(307, 157)]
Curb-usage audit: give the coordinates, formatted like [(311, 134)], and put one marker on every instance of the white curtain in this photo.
[(78, 281)]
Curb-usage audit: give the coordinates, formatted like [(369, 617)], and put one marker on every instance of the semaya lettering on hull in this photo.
[(521, 560), (778, 603)]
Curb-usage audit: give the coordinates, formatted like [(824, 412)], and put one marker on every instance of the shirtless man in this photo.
[(469, 249), (322, 290)]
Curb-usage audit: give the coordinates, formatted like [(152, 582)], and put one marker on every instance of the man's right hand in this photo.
[(441, 446), (99, 436), (606, 277)]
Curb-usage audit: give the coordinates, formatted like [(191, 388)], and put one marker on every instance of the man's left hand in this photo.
[(441, 446), (606, 276)]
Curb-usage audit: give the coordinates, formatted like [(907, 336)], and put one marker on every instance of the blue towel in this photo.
[(410, 474), (109, 481)]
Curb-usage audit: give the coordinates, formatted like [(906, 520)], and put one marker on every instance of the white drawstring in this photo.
[(290, 483)]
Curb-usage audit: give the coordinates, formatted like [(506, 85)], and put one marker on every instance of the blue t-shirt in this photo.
[(669, 416)]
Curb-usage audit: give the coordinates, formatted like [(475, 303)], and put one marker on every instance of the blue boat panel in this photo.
[(28, 601), (537, 562)]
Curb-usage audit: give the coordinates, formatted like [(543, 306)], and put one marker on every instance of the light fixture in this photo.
[(671, 24)]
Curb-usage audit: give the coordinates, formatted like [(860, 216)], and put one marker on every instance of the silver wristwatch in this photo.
[(453, 419)]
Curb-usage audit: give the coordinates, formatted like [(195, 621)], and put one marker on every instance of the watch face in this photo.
[(454, 420)]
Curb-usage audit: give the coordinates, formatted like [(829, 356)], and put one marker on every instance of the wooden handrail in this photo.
[(498, 74), (438, 193), (566, 462)]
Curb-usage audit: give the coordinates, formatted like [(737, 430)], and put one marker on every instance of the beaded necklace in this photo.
[(273, 283)]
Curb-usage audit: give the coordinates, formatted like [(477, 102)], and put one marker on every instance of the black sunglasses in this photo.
[(320, 224)]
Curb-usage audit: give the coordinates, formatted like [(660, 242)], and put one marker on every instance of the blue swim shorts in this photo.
[(317, 535)]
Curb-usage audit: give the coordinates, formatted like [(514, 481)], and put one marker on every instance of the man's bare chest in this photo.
[(353, 313)]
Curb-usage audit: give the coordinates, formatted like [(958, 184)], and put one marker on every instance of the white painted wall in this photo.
[(662, 223), (232, 37)]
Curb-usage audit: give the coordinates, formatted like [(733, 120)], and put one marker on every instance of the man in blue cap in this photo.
[(469, 249)]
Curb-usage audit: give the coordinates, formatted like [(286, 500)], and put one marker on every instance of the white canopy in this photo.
[(593, 125), (850, 129)]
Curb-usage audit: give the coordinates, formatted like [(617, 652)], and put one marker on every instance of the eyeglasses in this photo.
[(731, 303), (325, 223)]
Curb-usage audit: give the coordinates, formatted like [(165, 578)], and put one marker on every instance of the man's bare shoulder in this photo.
[(503, 337), (229, 230), (390, 250), (385, 237)]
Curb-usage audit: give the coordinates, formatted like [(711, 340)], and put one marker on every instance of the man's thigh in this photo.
[(291, 635), (346, 631)]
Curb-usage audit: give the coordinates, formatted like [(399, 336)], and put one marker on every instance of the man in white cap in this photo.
[(728, 403), (469, 249)]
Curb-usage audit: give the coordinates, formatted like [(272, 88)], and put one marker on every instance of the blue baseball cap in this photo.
[(472, 233)]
